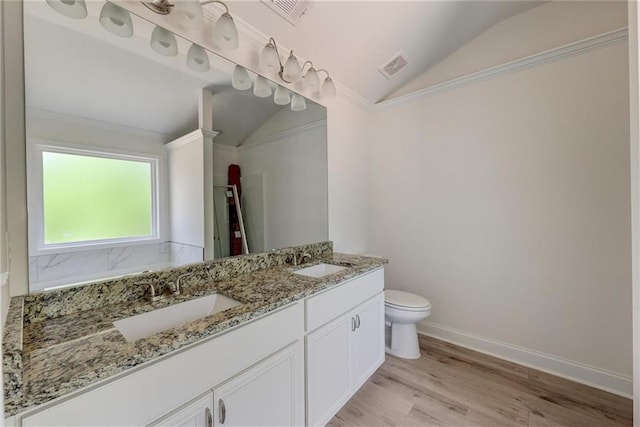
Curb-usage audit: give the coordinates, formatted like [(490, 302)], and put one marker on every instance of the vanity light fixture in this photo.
[(281, 96), (328, 88), (311, 79), (116, 20), (197, 59), (261, 87), (292, 72), (76, 9), (225, 33), (298, 103), (240, 79), (164, 42)]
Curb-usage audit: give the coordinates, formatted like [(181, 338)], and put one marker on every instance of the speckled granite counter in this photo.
[(58, 342)]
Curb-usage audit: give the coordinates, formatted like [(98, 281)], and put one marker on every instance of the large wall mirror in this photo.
[(140, 151)]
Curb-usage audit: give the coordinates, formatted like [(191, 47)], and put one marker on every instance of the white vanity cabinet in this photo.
[(297, 365), (198, 413), (343, 353), (269, 393)]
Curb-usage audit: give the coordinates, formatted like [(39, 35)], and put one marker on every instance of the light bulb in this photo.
[(281, 96), (116, 20), (225, 34), (76, 9), (291, 72), (298, 103), (164, 42), (269, 60), (328, 89), (240, 79), (197, 58)]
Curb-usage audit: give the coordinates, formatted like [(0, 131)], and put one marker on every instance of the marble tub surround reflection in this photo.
[(46, 271), (51, 352)]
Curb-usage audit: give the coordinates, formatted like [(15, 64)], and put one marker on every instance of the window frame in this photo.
[(35, 186)]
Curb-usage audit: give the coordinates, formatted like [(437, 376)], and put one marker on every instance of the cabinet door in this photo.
[(196, 414), (270, 393), (368, 339), (329, 373)]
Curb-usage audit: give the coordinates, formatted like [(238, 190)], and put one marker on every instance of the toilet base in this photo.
[(403, 341)]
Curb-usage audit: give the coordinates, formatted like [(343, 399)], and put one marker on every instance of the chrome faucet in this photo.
[(152, 295), (300, 260), (175, 288)]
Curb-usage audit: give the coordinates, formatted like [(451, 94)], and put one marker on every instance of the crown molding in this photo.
[(82, 121), (195, 135), (251, 143), (555, 54)]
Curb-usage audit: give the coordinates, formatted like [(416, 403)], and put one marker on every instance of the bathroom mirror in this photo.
[(136, 142)]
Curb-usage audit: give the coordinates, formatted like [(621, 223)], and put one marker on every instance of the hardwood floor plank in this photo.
[(450, 386)]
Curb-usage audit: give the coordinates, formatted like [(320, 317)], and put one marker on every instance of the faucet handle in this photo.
[(152, 290)]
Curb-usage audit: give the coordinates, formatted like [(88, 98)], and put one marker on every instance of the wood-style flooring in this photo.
[(454, 386)]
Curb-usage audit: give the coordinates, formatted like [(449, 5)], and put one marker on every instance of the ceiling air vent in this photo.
[(291, 10), (397, 63)]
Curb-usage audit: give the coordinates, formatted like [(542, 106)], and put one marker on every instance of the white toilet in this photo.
[(402, 310)]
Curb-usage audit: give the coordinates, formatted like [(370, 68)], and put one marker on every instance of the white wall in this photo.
[(507, 204), (293, 166), (348, 146)]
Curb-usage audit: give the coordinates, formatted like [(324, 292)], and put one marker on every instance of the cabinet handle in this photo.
[(209, 417), (353, 324), (357, 321), (222, 411)]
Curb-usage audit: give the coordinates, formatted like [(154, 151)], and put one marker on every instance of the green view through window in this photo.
[(88, 198)]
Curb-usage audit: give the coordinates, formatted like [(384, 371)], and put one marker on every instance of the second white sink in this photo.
[(144, 325), (319, 270)]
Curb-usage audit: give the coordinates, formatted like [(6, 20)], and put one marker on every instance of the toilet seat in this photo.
[(405, 301)]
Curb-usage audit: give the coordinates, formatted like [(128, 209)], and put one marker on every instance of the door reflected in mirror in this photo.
[(142, 161)]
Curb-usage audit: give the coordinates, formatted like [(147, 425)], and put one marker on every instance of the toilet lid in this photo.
[(405, 299)]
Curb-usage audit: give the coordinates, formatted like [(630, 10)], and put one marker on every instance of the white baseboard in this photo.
[(612, 382)]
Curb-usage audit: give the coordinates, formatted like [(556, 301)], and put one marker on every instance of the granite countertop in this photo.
[(50, 357)]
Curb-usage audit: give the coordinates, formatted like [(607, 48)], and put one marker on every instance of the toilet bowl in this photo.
[(402, 310)]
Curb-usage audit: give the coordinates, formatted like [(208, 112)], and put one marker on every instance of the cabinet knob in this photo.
[(209, 417), (222, 411), (353, 324), (357, 321)]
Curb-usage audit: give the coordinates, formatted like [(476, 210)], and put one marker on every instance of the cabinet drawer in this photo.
[(322, 308)]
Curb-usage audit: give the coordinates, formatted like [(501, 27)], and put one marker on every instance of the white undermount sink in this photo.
[(319, 270), (144, 325)]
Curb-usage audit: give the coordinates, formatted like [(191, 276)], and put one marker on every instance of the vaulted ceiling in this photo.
[(352, 39)]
